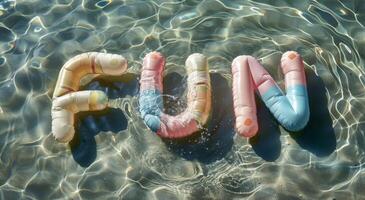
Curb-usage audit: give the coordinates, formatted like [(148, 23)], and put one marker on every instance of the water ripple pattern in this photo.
[(115, 156)]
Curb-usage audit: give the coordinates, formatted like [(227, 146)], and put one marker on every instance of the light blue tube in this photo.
[(150, 107), (292, 109)]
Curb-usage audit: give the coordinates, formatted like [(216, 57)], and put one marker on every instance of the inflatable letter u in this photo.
[(199, 97)]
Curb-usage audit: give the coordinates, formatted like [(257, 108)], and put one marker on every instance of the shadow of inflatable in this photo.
[(89, 124), (318, 137), (266, 143), (217, 140)]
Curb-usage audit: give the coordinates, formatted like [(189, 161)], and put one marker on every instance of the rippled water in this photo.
[(115, 156)]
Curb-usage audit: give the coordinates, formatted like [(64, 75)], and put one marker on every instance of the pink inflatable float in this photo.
[(291, 110)]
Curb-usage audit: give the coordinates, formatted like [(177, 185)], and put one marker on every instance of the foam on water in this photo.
[(114, 155)]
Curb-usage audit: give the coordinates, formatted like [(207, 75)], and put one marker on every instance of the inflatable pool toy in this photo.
[(67, 100), (291, 110), (199, 97)]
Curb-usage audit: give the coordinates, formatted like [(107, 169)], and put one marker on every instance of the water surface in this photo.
[(114, 155)]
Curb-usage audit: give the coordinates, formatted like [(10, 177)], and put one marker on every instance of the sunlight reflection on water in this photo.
[(115, 155)]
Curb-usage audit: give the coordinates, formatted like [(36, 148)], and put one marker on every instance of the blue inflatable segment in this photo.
[(292, 109), (150, 107)]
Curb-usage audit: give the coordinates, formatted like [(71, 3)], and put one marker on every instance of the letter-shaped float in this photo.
[(291, 110), (67, 100), (199, 97)]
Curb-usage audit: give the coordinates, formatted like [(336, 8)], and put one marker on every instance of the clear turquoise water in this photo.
[(115, 156)]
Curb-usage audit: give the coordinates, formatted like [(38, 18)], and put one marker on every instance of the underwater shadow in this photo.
[(266, 143), (89, 124), (318, 137), (216, 141)]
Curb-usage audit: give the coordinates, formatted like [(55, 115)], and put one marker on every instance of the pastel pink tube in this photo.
[(243, 100), (291, 110)]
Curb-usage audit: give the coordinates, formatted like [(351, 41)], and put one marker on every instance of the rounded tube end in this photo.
[(246, 127), (154, 61), (63, 132), (196, 62), (241, 59), (112, 64), (62, 124), (291, 61)]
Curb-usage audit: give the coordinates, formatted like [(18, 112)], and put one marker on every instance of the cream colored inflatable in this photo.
[(67, 100)]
